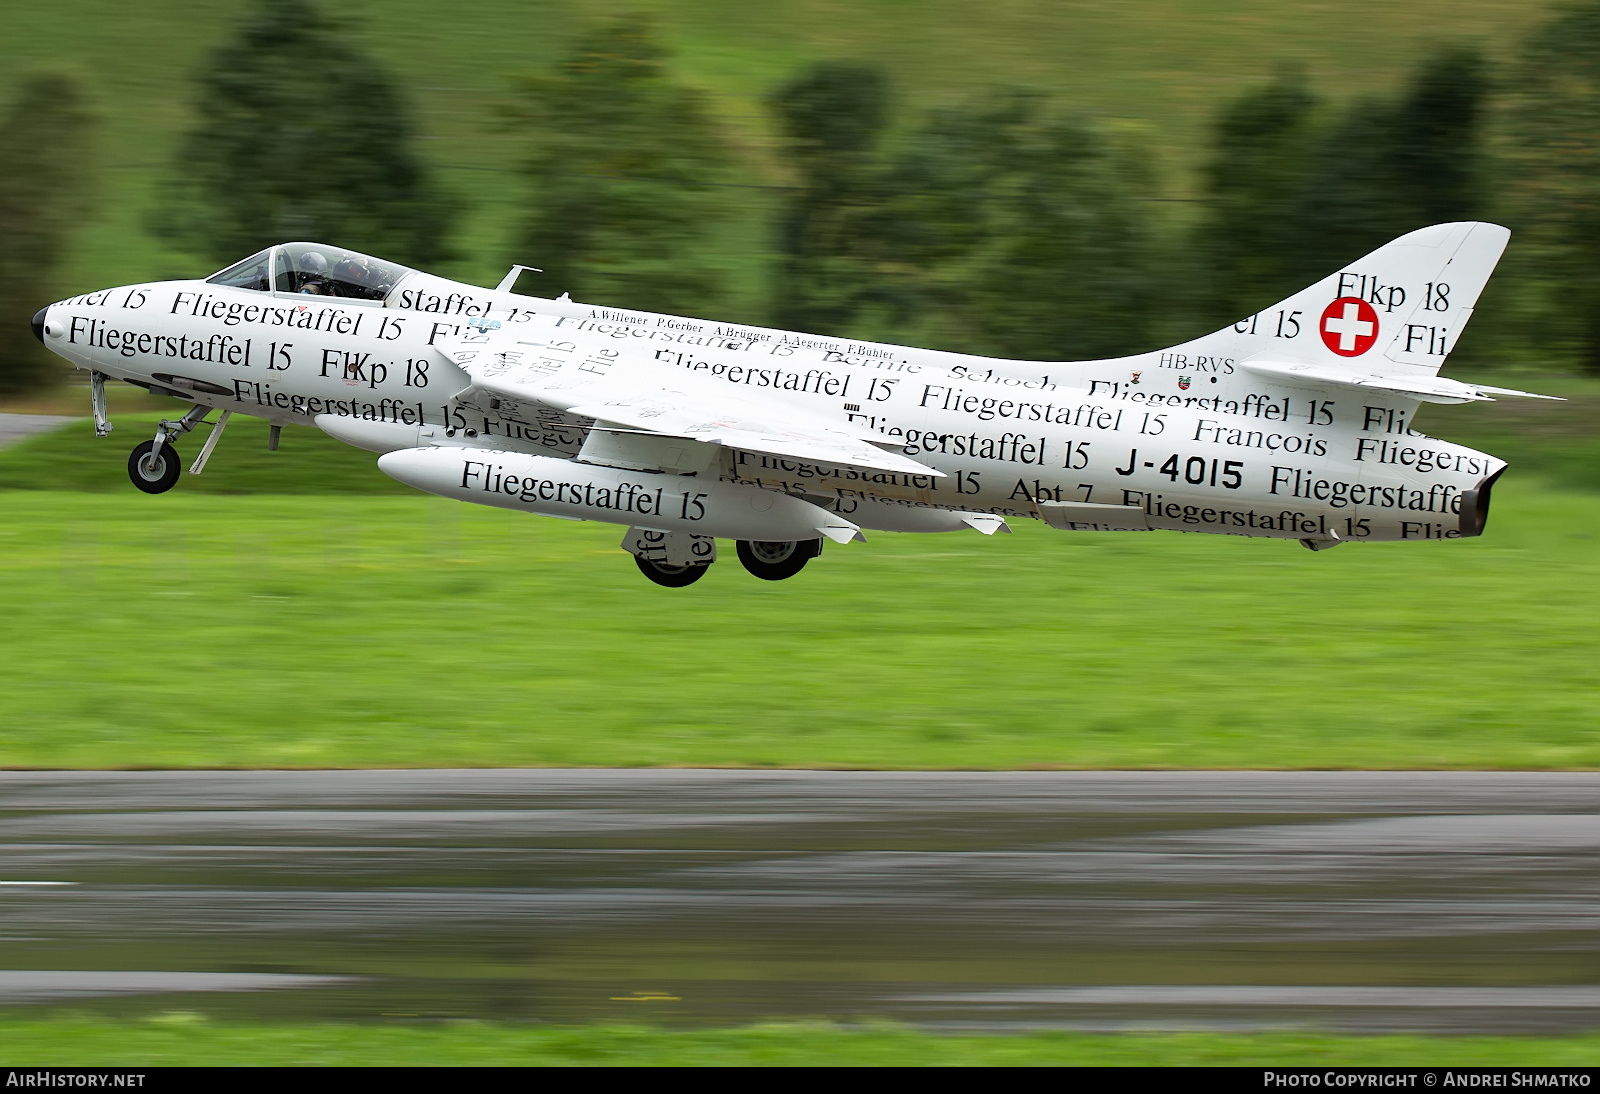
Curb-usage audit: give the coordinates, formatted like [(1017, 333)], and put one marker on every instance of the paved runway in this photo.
[(14, 427), (1431, 901)]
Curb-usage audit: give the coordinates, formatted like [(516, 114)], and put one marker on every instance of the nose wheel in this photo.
[(155, 466), (153, 470), (773, 560)]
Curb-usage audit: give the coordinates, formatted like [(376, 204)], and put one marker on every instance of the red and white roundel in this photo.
[(1349, 326)]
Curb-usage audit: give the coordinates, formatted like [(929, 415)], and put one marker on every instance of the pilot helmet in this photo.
[(312, 262), (351, 268)]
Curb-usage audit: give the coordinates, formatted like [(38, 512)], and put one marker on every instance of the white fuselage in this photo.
[(1198, 443)]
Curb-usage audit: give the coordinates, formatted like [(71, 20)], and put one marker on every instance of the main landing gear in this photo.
[(673, 577), (670, 558), (776, 560), (676, 560), (769, 560)]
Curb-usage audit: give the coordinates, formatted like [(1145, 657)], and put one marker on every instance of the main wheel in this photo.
[(154, 474), (776, 560), (673, 577)]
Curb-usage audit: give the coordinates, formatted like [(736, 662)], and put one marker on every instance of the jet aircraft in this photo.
[(1294, 423)]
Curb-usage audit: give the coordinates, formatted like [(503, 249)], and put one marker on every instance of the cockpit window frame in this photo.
[(270, 252), (282, 263)]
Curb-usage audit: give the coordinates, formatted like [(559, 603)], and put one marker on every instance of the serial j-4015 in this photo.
[(1294, 423)]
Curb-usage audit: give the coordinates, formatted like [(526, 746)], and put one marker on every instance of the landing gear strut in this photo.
[(97, 398), (154, 465), (774, 560)]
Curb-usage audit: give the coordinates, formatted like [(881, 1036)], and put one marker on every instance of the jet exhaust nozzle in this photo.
[(1475, 506)]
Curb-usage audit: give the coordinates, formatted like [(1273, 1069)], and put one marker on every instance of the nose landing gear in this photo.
[(154, 466)]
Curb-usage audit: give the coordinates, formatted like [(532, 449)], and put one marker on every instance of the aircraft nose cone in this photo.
[(38, 323)]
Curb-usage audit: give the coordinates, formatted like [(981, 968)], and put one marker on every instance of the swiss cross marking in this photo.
[(1349, 326)]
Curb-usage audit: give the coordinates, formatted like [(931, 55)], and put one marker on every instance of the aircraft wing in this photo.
[(631, 390), (1430, 389)]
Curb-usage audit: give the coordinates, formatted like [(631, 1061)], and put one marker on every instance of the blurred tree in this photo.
[(1246, 245), (44, 157), (1027, 234), (624, 169), (1071, 269), (1437, 155), (995, 227), (1293, 193), (1555, 178), (300, 136), (1390, 167), (829, 239)]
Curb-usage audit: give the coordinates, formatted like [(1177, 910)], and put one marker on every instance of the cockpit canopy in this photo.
[(316, 270)]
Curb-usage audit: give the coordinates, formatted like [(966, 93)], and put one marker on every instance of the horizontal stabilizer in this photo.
[(1518, 394), (1429, 389), (1069, 515)]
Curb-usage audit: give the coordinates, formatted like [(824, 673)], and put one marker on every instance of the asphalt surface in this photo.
[(1427, 901), (14, 427)]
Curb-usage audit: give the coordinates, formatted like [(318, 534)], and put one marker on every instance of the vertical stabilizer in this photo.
[(1400, 309)]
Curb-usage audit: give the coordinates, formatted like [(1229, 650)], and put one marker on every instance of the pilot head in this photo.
[(353, 268), (312, 266)]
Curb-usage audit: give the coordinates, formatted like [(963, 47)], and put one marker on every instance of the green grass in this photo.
[(186, 1039), (1165, 64), (315, 613), (332, 630), (1556, 442), (308, 461)]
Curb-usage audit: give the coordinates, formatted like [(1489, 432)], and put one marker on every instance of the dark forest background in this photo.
[(1009, 223)]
